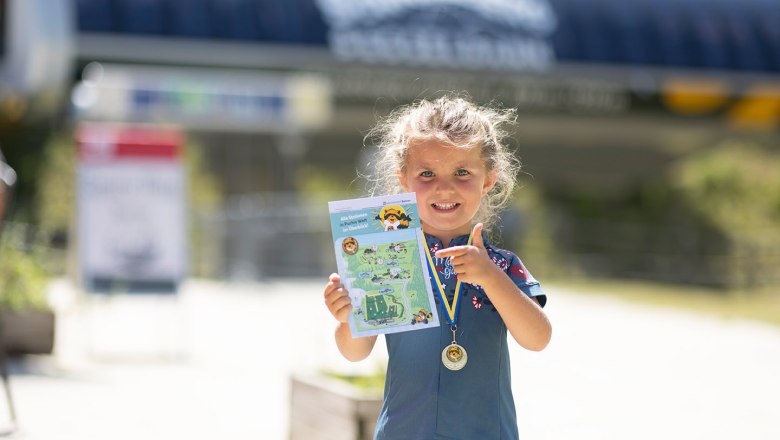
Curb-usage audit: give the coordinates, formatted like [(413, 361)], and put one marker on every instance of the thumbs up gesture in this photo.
[(471, 262)]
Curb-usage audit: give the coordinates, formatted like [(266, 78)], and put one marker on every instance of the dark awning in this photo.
[(739, 35), (730, 35)]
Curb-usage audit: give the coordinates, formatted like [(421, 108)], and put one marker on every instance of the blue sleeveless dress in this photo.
[(423, 400)]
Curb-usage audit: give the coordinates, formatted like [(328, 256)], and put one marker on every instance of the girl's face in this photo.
[(449, 182)]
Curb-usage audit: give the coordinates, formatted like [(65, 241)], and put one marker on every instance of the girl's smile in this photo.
[(450, 182), (445, 206)]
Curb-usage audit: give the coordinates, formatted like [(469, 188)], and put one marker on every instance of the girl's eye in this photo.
[(426, 174), (462, 172)]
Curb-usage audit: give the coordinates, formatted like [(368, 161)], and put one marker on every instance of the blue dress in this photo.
[(423, 400)]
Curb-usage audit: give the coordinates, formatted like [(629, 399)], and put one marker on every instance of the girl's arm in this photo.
[(339, 305), (523, 317)]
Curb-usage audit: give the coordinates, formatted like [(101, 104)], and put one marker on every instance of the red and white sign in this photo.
[(131, 205)]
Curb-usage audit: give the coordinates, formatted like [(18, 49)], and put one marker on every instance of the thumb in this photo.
[(476, 235)]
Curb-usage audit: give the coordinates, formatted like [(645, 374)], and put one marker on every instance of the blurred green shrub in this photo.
[(712, 218), (373, 382), (526, 228), (316, 186), (23, 278), (735, 186), (55, 199), (205, 198), (319, 184)]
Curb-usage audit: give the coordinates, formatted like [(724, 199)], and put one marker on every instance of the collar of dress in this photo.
[(456, 241)]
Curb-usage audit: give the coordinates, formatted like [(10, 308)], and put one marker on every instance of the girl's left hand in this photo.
[(471, 262)]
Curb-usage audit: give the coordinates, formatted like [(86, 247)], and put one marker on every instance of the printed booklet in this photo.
[(380, 256)]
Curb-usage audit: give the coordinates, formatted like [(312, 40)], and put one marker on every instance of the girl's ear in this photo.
[(401, 179), (490, 181)]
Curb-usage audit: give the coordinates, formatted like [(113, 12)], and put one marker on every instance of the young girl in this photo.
[(451, 153)]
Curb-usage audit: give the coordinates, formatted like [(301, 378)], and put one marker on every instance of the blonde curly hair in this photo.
[(455, 121)]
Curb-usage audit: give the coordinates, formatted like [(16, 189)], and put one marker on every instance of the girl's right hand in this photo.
[(336, 298)]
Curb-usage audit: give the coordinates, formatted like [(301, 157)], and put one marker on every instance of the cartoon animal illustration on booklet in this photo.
[(393, 218), (349, 245)]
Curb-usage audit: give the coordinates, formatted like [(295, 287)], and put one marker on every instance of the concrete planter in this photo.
[(27, 331), (323, 408)]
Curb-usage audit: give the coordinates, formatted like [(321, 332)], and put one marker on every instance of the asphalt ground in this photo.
[(215, 361)]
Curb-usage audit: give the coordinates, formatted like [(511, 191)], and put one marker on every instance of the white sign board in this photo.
[(131, 207), (204, 99)]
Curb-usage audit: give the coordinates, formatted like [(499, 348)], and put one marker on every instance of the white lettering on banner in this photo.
[(497, 34), (536, 15), (375, 47)]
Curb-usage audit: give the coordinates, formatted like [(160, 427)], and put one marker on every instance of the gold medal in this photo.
[(453, 356)]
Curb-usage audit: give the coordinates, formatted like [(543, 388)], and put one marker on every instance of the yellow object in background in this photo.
[(694, 96)]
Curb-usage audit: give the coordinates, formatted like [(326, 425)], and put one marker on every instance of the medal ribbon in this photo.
[(451, 309)]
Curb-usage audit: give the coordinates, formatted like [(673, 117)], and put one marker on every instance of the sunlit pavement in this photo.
[(215, 361)]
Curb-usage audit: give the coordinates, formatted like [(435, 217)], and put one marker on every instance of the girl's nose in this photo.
[(444, 185)]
